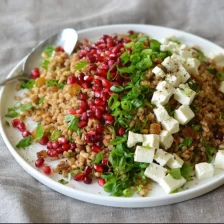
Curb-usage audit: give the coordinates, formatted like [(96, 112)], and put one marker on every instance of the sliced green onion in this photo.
[(117, 89)]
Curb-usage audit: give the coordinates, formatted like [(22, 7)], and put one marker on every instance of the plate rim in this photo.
[(104, 199)]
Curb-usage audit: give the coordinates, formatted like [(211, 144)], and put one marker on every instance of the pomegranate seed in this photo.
[(99, 102), (52, 153), (219, 135), (90, 114), (86, 85), (101, 181), (82, 53), (66, 147), (46, 170), (72, 146), (83, 105), (101, 46), (98, 168), (59, 49), (26, 134), (99, 144), (83, 117), (117, 48), (82, 124), (72, 80), (60, 150), (90, 58), (91, 132), (109, 122), (87, 180), (108, 117), (88, 139), (88, 78), (110, 44), (88, 170), (104, 66), (97, 138), (49, 145), (104, 162), (82, 96), (44, 140), (98, 82), (105, 96), (96, 149), (106, 83), (99, 128), (39, 162), (111, 63), (35, 73), (79, 177), (101, 41), (81, 78), (96, 88), (62, 140), (15, 122), (121, 131), (101, 72), (21, 126), (55, 145), (97, 94), (92, 67), (75, 111)]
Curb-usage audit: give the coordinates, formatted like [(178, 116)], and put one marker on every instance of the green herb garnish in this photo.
[(12, 113), (26, 107), (25, 142), (186, 142), (175, 173), (39, 132), (62, 181), (7, 123), (49, 50), (186, 171), (28, 84), (72, 123), (55, 135), (41, 101), (209, 150), (54, 82), (80, 65), (98, 158)]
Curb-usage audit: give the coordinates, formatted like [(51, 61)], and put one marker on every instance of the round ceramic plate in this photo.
[(94, 193)]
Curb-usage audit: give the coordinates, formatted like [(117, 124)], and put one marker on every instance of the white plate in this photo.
[(94, 193)]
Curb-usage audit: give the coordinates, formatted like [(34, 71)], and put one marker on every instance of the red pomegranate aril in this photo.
[(107, 84), (99, 102), (83, 105), (219, 135), (97, 94), (121, 131), (60, 150), (98, 144), (104, 65), (49, 145), (110, 44), (96, 88), (59, 49), (21, 127), (109, 122), (92, 51), (101, 72), (72, 80), (75, 111), (87, 180), (88, 139), (90, 114), (111, 63), (105, 96), (98, 113), (97, 82), (100, 41), (82, 53), (86, 85), (101, 182), (82, 96), (113, 56), (15, 122), (108, 117), (98, 137), (127, 39), (92, 67), (52, 153), (98, 168), (104, 162), (39, 162), (65, 147), (62, 140), (96, 149), (101, 46), (99, 128), (90, 58), (46, 170), (35, 73), (55, 145), (82, 124), (81, 78), (117, 48), (87, 170), (91, 132), (44, 140), (26, 134), (83, 117), (88, 78), (72, 146), (79, 177)]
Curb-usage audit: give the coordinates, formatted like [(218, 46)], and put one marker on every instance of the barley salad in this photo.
[(126, 110)]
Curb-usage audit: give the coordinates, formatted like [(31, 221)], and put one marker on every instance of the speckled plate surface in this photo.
[(94, 193)]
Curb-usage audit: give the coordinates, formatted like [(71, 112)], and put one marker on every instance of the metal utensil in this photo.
[(67, 39)]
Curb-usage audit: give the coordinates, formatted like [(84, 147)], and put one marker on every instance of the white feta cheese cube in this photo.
[(170, 64), (219, 160), (158, 72), (184, 94), (165, 139), (192, 65), (151, 140), (185, 53), (161, 114), (171, 125), (204, 170), (174, 79), (177, 58), (221, 87), (155, 172), (170, 46), (144, 154), (164, 85), (162, 157), (169, 184), (133, 139), (161, 97), (183, 114), (175, 162), (182, 72)]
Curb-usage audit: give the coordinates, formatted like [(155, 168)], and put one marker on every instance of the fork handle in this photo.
[(20, 77)]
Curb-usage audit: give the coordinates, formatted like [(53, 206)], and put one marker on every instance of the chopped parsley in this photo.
[(186, 171), (186, 142), (98, 158), (28, 84), (25, 142), (26, 107), (80, 65), (62, 181), (12, 113), (39, 132), (209, 150), (175, 173), (54, 82), (72, 123)]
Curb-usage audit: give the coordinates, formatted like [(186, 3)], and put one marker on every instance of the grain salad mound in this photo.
[(126, 110)]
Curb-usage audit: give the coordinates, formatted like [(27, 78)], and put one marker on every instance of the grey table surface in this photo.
[(23, 23)]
